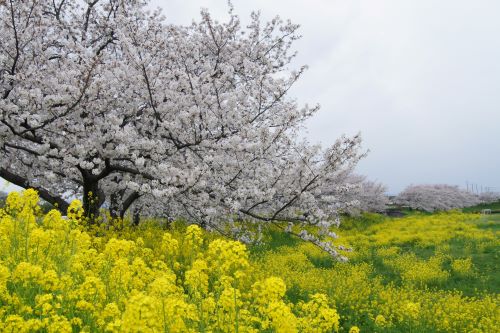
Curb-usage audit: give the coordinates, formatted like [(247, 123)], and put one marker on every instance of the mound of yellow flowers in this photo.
[(57, 276)]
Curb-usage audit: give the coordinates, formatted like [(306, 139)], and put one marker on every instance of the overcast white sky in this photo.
[(420, 79)]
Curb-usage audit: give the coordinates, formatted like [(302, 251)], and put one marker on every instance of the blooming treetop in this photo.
[(104, 100), (353, 193), (436, 197), (489, 197)]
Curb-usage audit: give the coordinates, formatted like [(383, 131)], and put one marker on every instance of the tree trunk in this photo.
[(93, 198), (137, 216), (114, 204), (127, 202)]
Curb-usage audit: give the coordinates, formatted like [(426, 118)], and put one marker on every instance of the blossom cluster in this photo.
[(436, 197)]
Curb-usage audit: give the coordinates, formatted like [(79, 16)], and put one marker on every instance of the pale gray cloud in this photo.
[(419, 79)]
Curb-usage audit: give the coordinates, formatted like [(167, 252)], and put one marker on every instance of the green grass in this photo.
[(491, 222), (494, 206)]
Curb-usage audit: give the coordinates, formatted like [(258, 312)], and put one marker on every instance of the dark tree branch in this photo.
[(128, 202), (62, 205)]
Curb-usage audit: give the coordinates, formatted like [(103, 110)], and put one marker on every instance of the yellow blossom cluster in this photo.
[(57, 276), (415, 270), (463, 266)]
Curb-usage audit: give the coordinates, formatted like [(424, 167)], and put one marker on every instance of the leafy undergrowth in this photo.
[(420, 273)]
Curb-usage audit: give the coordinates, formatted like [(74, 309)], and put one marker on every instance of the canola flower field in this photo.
[(421, 273)]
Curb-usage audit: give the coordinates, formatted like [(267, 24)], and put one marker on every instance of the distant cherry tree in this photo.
[(371, 197), (355, 194), (489, 197), (105, 101), (436, 197)]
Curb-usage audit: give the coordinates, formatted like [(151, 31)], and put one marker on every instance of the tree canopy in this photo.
[(106, 101)]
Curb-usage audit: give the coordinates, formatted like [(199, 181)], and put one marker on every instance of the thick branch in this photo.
[(128, 202), (55, 200)]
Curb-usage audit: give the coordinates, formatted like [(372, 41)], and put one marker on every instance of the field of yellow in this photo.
[(422, 273)]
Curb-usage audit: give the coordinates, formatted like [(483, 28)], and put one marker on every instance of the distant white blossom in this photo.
[(436, 197)]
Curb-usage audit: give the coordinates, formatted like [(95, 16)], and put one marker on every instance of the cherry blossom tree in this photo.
[(435, 197), (369, 196), (354, 194), (106, 101), (489, 197)]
